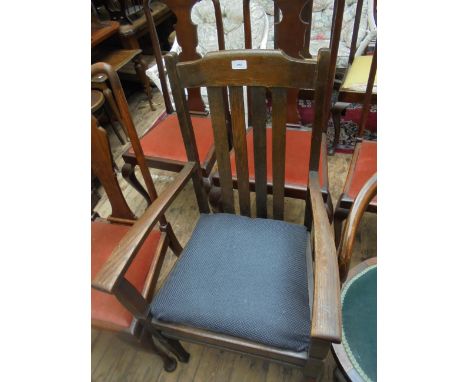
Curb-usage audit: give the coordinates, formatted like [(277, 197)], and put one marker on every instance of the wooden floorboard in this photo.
[(115, 360)]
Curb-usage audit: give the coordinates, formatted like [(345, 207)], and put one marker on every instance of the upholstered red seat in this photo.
[(164, 140), (297, 157), (365, 167), (105, 308)]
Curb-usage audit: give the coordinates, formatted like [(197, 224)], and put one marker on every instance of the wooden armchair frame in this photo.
[(283, 72), (103, 167)]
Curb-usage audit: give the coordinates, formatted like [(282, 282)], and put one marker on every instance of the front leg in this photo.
[(338, 109)]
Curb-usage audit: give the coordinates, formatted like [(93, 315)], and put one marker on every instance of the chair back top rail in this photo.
[(256, 69), (345, 249)]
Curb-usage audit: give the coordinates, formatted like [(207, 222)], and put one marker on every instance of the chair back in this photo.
[(258, 70), (102, 165), (345, 250)]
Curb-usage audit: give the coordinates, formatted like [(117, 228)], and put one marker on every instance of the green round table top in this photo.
[(359, 304)]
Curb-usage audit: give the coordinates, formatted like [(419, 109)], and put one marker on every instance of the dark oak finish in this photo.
[(240, 147), (260, 153), (326, 314)]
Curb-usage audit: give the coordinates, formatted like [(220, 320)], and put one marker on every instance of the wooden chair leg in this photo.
[(140, 68), (337, 111), (314, 366), (170, 364), (113, 107), (128, 173), (114, 128)]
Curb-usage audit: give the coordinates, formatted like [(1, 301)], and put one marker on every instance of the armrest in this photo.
[(326, 313), (117, 264)]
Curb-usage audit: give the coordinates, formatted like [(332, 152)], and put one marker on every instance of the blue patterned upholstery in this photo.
[(242, 277)]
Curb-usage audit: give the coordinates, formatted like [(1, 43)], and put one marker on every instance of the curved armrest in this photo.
[(345, 250), (118, 262), (326, 312)]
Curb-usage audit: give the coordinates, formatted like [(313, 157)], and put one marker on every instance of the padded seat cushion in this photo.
[(366, 166), (164, 139), (297, 157), (105, 308), (242, 277), (359, 301)]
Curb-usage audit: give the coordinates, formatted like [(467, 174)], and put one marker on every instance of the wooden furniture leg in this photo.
[(337, 111), (147, 341), (140, 68)]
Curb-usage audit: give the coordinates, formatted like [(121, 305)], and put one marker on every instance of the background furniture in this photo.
[(164, 144), (217, 236), (97, 102), (141, 277), (117, 58), (356, 356), (356, 76), (363, 163)]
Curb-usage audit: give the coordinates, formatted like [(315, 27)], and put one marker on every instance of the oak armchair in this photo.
[(258, 286)]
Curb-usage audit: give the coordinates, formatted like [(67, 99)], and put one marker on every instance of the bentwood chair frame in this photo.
[(345, 250), (282, 72), (103, 167), (357, 174)]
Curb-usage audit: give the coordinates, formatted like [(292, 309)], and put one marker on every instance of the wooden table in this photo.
[(100, 34), (130, 33)]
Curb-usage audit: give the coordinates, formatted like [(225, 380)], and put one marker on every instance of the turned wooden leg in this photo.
[(128, 173), (214, 198), (113, 107), (318, 351), (140, 68), (337, 111)]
